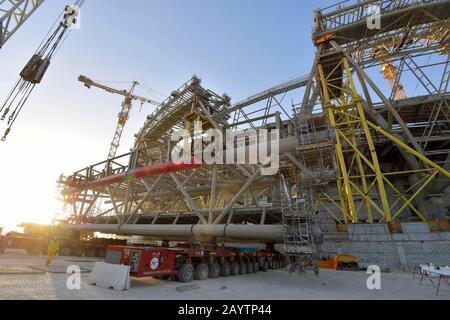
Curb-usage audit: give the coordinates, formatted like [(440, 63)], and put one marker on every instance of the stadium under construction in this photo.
[(364, 152)]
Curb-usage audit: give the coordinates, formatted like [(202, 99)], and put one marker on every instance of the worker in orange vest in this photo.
[(52, 250)]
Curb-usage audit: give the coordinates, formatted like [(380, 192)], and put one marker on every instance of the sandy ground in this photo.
[(24, 277)]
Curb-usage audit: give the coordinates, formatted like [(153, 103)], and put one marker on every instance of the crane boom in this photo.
[(90, 83), (126, 107), (13, 14)]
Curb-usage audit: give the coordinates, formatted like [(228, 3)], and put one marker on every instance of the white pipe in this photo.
[(198, 232)]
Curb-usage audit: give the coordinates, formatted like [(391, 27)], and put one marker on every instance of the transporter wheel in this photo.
[(225, 270), (214, 270), (185, 273), (256, 267), (250, 268), (265, 267), (201, 271), (234, 269), (261, 263), (242, 268)]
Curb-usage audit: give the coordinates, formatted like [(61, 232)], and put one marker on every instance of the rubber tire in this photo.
[(225, 270), (214, 270), (185, 273), (201, 271), (265, 267), (261, 263), (234, 269), (242, 268), (65, 252), (250, 268), (256, 267)]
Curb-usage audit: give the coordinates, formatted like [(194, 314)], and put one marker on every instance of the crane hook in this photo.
[(8, 130)]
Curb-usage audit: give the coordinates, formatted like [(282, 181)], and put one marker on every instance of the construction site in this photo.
[(362, 179)]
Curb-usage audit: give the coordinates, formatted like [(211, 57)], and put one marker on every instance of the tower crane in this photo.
[(126, 107)]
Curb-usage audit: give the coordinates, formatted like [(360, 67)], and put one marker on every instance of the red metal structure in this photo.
[(137, 174)]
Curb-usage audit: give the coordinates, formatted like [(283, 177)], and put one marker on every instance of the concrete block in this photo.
[(444, 236), (399, 237), (358, 229), (108, 275), (382, 237), (415, 227), (378, 229), (354, 229), (421, 236)]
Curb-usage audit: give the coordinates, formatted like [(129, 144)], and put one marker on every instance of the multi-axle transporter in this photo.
[(186, 262)]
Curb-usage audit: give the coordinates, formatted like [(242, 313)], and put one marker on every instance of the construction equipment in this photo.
[(341, 262), (37, 66), (35, 238), (187, 262), (13, 14), (126, 108)]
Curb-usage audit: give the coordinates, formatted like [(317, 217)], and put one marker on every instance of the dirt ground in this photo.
[(24, 276)]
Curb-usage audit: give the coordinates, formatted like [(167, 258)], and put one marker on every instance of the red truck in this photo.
[(186, 262)]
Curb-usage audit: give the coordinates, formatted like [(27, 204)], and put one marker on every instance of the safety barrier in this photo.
[(107, 275)]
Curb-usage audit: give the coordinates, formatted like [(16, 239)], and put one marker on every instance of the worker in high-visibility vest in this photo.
[(4, 244), (52, 249)]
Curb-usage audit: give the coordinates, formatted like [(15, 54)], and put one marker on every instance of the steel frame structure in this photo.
[(347, 51), (353, 145), (209, 194), (13, 14)]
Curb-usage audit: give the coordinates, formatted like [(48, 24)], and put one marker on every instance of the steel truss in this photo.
[(13, 14), (215, 194), (361, 145), (413, 41)]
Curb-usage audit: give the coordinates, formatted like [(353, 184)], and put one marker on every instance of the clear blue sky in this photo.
[(236, 46)]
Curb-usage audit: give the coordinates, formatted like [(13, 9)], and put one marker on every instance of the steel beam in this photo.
[(13, 14), (227, 232)]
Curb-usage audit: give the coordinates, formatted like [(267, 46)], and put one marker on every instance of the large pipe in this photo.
[(205, 232), (285, 145), (133, 174)]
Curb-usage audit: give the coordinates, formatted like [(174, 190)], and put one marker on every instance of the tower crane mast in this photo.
[(125, 111)]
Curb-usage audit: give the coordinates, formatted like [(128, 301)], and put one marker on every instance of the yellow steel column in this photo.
[(373, 153), (345, 190)]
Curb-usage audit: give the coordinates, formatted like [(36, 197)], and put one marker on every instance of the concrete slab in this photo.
[(57, 269), (19, 270), (415, 227), (275, 284)]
